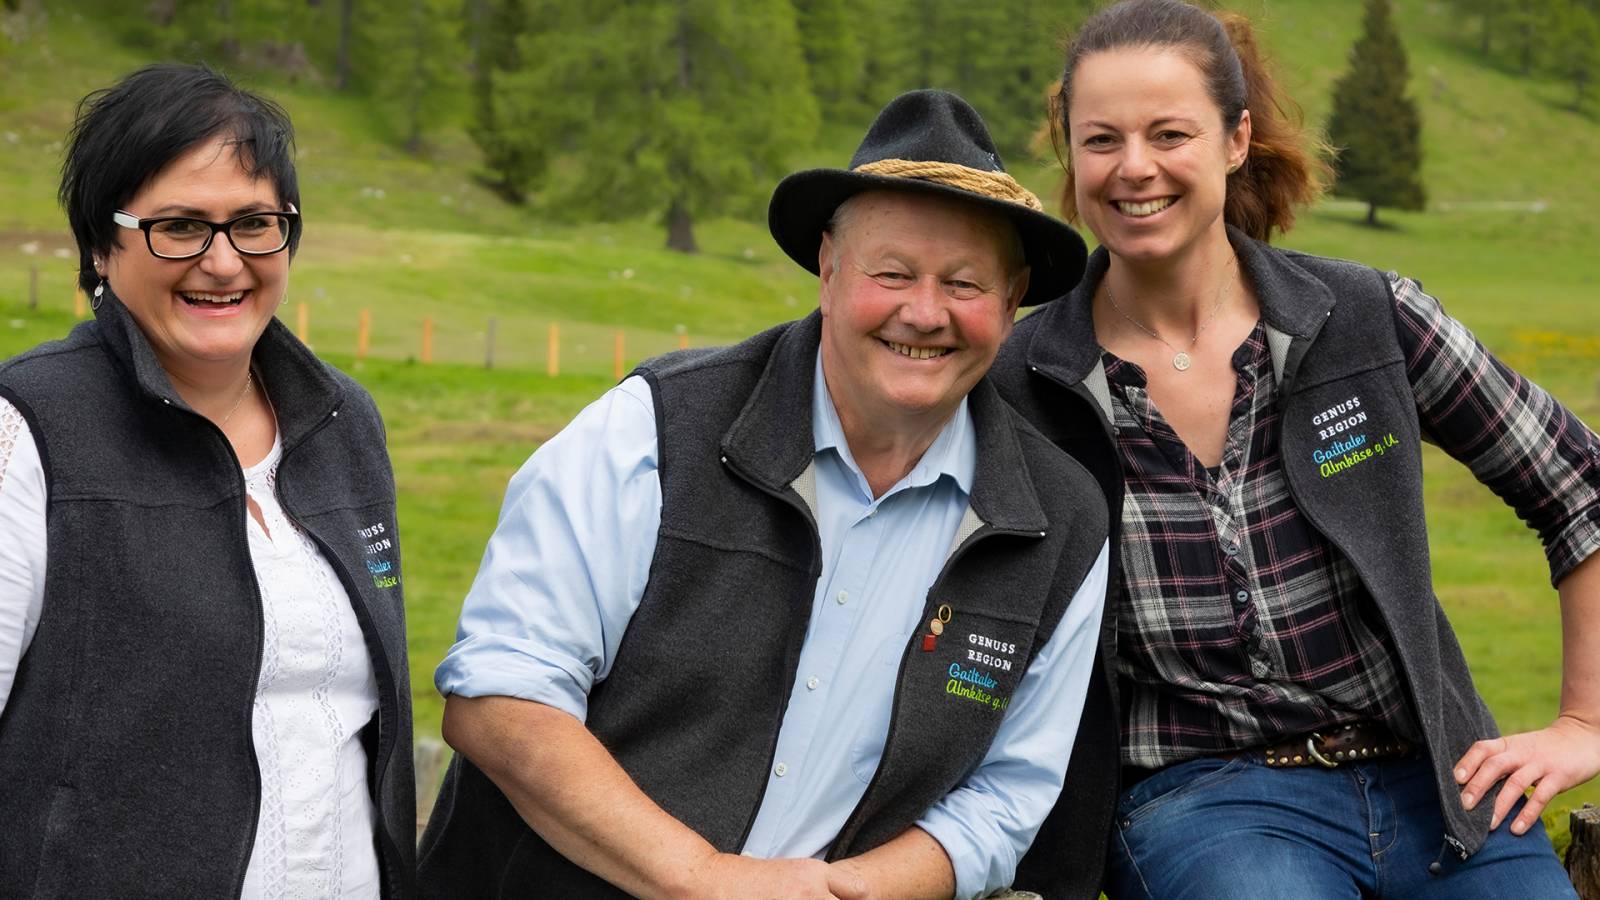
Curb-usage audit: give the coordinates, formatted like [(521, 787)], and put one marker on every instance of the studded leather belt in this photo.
[(1356, 742)]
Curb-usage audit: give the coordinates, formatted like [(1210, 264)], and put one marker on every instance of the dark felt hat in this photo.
[(933, 142)]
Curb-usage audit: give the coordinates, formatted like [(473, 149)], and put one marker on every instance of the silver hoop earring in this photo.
[(99, 295)]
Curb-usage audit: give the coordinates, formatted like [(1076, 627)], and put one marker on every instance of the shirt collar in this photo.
[(953, 454)]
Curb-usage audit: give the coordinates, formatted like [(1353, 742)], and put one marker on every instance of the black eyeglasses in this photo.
[(183, 237)]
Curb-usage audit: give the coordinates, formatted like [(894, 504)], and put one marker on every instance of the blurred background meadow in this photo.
[(507, 200)]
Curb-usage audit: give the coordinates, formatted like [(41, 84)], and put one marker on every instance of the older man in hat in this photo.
[(810, 616)]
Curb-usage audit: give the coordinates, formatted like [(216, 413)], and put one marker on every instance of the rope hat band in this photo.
[(995, 185), (929, 142)]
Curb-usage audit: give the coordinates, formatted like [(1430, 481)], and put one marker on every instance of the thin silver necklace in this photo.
[(1180, 358), (249, 380)]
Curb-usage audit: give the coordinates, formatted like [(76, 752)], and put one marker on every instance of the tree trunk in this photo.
[(162, 12), (475, 13), (419, 49), (680, 229), (341, 64), (228, 44), (1372, 214), (1583, 856)]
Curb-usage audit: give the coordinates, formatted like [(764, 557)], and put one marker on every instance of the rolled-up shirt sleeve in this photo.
[(568, 562), (1534, 453), (990, 819)]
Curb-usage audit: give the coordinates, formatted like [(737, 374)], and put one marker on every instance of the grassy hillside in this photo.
[(412, 238)]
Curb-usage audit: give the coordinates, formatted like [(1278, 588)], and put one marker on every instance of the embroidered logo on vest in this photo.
[(973, 683), (378, 566), (1348, 448)]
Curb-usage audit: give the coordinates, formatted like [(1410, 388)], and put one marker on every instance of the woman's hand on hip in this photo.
[(1549, 760)]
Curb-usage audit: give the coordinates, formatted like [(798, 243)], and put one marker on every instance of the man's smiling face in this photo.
[(917, 293)]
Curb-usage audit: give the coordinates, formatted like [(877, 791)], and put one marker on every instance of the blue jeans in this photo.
[(1213, 829)]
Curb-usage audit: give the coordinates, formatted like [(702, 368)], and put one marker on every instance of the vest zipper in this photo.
[(1403, 666), (851, 826), (783, 704), (260, 645), (380, 663)]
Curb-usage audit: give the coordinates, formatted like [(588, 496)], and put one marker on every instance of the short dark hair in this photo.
[(125, 134)]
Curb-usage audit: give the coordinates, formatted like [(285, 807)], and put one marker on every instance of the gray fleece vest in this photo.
[(1341, 373), (127, 765), (692, 707)]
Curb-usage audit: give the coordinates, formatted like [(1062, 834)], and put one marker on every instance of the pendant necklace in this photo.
[(249, 381), (1180, 358)]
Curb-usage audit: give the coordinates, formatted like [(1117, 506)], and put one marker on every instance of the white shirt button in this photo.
[(812, 683), (872, 512), (843, 598), (781, 769)]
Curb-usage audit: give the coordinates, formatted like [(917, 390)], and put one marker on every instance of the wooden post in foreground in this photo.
[(618, 355), (302, 323), (363, 334), (427, 340), (553, 362), (1583, 856), (33, 287), (683, 340), (429, 758), (488, 345)]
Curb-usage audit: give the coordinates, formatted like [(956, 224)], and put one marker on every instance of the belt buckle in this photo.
[(1311, 749)]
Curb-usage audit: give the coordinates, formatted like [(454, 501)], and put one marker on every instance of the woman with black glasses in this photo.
[(203, 688)]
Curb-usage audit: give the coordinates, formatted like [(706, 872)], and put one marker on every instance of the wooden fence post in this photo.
[(363, 334), (1583, 854), (428, 758), (302, 323), (488, 345), (617, 357), (683, 340), (553, 362), (427, 340)]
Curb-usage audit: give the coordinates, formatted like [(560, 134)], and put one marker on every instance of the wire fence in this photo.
[(508, 340)]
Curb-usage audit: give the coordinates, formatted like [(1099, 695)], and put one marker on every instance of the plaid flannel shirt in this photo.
[(1239, 623)]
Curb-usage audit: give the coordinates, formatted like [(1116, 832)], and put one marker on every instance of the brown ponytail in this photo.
[(1280, 173)]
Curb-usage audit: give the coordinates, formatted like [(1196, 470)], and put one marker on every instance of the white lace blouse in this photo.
[(314, 837)]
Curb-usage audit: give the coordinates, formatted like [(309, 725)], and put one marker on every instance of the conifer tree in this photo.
[(684, 108), (1577, 47), (835, 56), (407, 60), (1488, 13), (1375, 126), (494, 29)]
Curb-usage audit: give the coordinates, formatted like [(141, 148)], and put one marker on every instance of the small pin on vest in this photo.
[(936, 628)]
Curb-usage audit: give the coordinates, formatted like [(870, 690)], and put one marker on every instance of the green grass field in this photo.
[(410, 239)]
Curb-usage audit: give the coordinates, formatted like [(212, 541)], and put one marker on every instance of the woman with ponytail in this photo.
[(1294, 715)]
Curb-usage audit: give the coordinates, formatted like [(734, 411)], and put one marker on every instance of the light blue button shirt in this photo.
[(567, 567)]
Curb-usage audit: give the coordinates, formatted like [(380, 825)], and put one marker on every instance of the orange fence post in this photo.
[(621, 351), (683, 340), (302, 322), (80, 303), (427, 339), (363, 334), (553, 364)]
